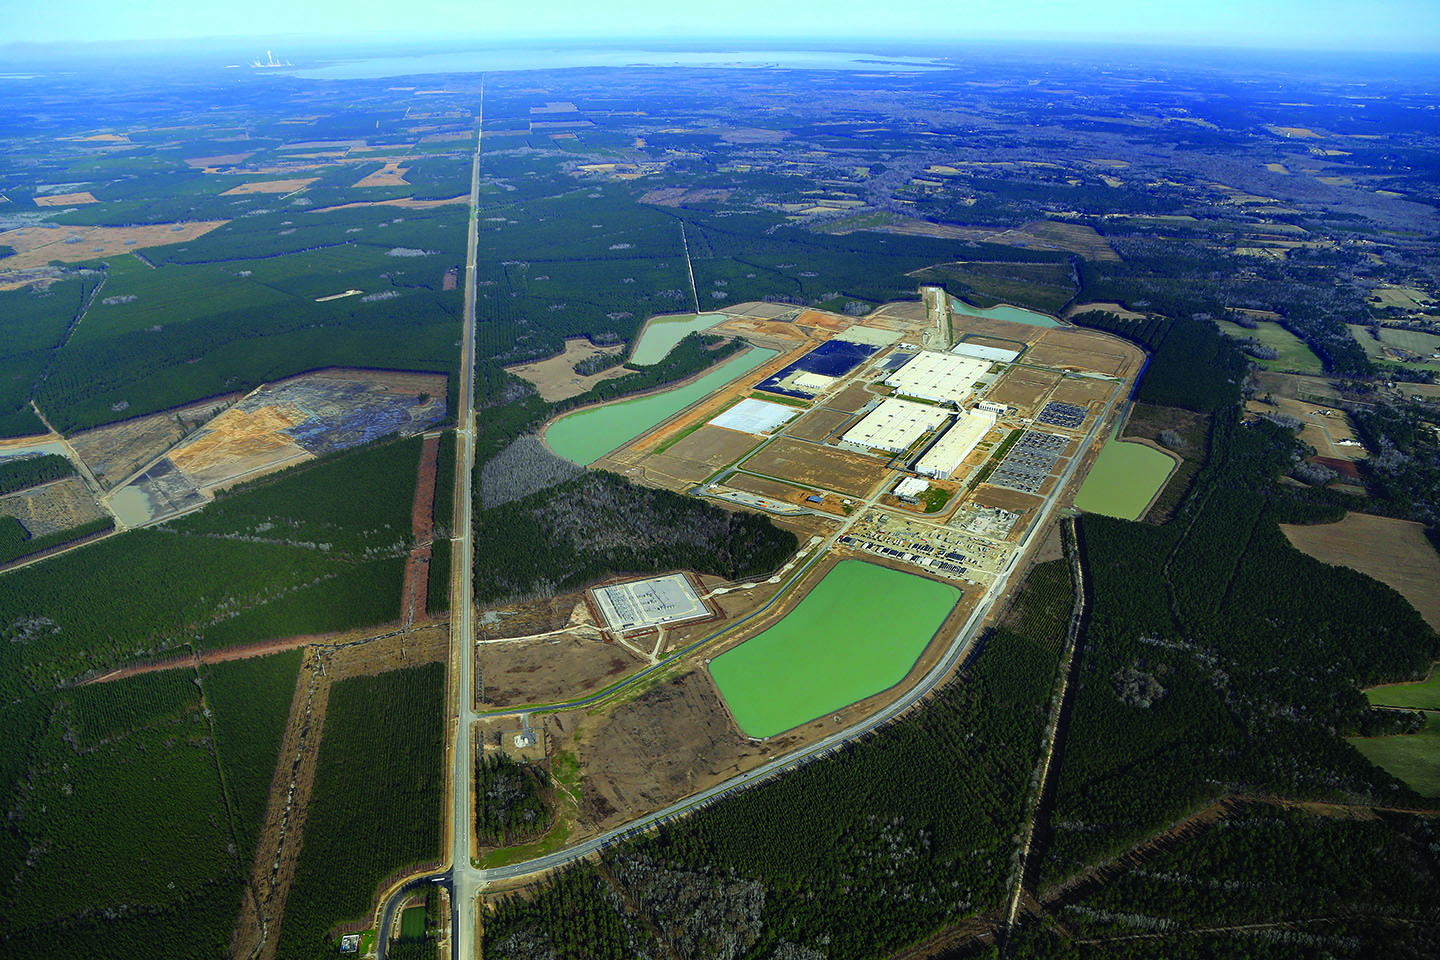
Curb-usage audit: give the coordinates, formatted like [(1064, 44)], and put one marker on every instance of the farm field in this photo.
[(1395, 552), (1294, 354), (857, 633), (1424, 695), (1414, 758), (586, 435), (1412, 342), (1124, 479)]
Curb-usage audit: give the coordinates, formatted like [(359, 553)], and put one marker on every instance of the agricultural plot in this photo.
[(1410, 347), (813, 465), (1395, 552), (1424, 695), (1413, 758), (1293, 353), (857, 633)]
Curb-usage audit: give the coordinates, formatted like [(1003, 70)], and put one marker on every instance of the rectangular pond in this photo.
[(856, 634), (1124, 480), (587, 435)]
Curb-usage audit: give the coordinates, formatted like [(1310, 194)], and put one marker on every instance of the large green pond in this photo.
[(587, 435), (1006, 312), (662, 333), (857, 633), (1124, 480)]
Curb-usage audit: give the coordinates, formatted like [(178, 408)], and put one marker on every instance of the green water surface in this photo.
[(1006, 312), (663, 333), (1124, 480), (857, 633), (587, 435)]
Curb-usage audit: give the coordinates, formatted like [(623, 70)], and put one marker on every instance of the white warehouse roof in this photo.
[(941, 377), (895, 424), (981, 352), (946, 455)]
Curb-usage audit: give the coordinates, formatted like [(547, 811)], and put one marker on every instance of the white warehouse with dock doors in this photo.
[(946, 454)]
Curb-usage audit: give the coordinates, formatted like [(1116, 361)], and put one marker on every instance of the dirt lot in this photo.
[(543, 671), (851, 399), (37, 246), (556, 378), (970, 327), (1023, 388), (698, 456), (270, 186), (1078, 350), (1082, 392), (222, 160), (848, 473), (784, 493), (116, 451), (1395, 552), (66, 199), (814, 426), (52, 507), (663, 745), (390, 175), (784, 335), (1012, 500)]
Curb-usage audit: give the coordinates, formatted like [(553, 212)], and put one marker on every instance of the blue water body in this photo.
[(553, 58), (833, 358), (1006, 312)]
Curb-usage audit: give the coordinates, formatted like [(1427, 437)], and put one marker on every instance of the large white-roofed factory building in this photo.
[(946, 454), (938, 377), (895, 425)]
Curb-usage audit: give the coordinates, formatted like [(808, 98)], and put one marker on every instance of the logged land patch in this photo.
[(38, 246), (556, 379), (849, 473), (114, 452), (1395, 552), (66, 199), (53, 507), (857, 633)]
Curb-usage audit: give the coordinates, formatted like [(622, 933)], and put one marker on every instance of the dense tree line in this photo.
[(512, 801), (33, 471), (16, 542), (438, 595), (251, 702), (600, 524), (133, 808), (375, 805), (1191, 365), (1271, 883), (1249, 652)]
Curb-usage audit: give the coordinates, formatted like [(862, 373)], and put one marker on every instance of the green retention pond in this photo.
[(587, 435), (1124, 480), (663, 333), (1005, 311), (1413, 757), (857, 633)]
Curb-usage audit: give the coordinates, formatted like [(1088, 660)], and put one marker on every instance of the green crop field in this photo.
[(857, 633), (1413, 757), (1417, 696), (1124, 480), (1294, 354)]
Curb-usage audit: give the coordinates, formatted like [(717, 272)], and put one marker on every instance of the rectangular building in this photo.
[(895, 425), (946, 454), (939, 377)]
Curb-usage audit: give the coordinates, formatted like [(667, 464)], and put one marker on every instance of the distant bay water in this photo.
[(557, 58)]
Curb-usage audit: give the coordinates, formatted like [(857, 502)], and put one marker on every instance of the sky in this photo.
[(1361, 25)]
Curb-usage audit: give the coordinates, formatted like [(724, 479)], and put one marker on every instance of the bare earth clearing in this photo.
[(37, 246), (556, 378)]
